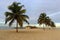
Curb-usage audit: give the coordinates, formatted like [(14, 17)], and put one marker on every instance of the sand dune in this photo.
[(30, 34)]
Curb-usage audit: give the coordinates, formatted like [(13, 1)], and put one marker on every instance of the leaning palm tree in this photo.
[(47, 21), (16, 13), (41, 19)]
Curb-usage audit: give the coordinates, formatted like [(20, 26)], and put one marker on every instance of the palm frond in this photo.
[(8, 19), (11, 22), (23, 11), (26, 21), (15, 3), (20, 21), (8, 14), (11, 7), (21, 7), (24, 16)]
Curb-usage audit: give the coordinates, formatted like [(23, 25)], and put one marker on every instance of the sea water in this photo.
[(6, 26)]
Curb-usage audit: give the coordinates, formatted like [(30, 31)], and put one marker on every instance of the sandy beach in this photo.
[(30, 34)]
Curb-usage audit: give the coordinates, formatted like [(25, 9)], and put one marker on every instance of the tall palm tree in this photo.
[(16, 13)]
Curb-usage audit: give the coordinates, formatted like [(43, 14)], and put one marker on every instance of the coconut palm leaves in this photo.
[(43, 19), (16, 13)]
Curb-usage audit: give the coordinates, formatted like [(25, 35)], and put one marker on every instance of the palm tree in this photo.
[(41, 19), (45, 20), (17, 14)]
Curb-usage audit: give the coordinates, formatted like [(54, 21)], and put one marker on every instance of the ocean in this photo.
[(3, 26)]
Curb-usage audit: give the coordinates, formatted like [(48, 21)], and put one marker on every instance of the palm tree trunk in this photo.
[(49, 28), (21, 26), (43, 27), (17, 27)]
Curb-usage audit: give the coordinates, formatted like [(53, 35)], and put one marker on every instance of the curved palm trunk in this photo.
[(17, 27), (43, 27)]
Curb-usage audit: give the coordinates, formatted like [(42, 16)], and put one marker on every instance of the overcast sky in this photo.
[(34, 8)]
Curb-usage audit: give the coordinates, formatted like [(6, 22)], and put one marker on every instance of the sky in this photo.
[(34, 8)]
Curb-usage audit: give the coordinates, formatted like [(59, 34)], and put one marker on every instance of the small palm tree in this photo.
[(45, 20), (41, 19), (17, 14)]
